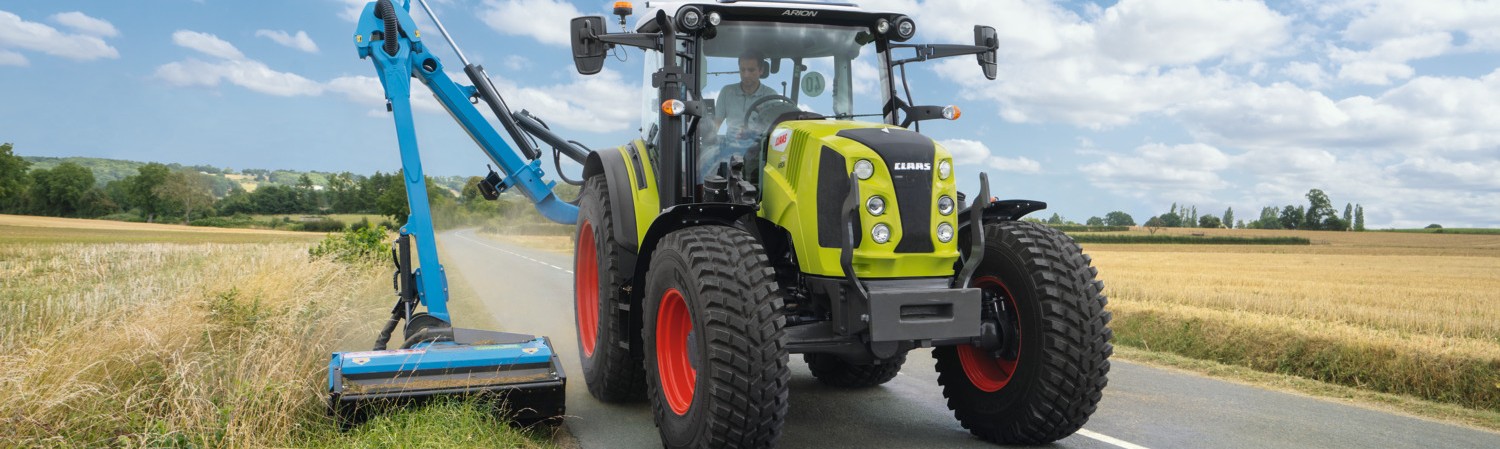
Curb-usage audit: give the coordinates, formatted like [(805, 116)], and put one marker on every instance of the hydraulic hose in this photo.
[(387, 12)]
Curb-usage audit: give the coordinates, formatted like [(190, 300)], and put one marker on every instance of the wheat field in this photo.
[(1412, 314)]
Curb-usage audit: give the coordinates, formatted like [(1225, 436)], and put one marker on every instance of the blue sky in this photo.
[(1130, 105)]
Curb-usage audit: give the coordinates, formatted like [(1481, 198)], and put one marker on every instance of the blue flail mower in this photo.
[(520, 371)]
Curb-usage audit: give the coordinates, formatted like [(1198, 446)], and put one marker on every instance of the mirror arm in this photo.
[(650, 41), (935, 51)]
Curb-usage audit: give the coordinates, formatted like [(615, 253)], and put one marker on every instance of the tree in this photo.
[(1170, 220), (1349, 216), (60, 191), (1240, 225), (1118, 218), (1191, 218), (1055, 219), (1095, 221), (188, 189), (1229, 217), (1154, 224), (1269, 219), (238, 201), (1434, 226), (13, 179), (1319, 210), (1209, 221), (142, 188), (1291, 217), (1359, 218)]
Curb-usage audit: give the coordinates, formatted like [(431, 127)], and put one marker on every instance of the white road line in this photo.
[(1109, 439), (513, 253)]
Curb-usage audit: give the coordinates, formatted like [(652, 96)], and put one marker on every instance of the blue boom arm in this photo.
[(391, 40)]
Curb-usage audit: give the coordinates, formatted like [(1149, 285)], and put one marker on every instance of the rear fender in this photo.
[(623, 169)]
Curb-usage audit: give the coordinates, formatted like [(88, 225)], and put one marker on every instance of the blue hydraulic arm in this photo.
[(389, 37)]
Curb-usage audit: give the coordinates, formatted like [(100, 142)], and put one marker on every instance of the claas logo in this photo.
[(781, 139)]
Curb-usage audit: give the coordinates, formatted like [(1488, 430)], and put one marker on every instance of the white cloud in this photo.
[(1136, 57), (19, 34), (517, 63), (1189, 171), (1166, 32), (1426, 114), (597, 103), (543, 20), (252, 75), (207, 44), (84, 24), (12, 58), (1308, 73), (967, 152), (1387, 61), (300, 41), (366, 90), (352, 9), (233, 67)]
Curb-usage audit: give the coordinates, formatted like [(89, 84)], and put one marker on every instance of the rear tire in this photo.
[(611, 373), (834, 371), (715, 358), (1046, 386)]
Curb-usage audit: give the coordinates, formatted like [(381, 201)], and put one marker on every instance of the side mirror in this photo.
[(984, 36), (588, 49)]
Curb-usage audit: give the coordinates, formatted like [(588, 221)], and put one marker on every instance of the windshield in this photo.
[(765, 69)]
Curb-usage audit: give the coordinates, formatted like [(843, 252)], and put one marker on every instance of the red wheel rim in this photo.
[(586, 288), (673, 325), (987, 372)]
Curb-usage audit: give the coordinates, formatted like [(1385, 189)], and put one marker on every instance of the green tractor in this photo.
[(764, 219)]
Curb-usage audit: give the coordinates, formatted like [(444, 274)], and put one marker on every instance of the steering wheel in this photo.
[(759, 102)]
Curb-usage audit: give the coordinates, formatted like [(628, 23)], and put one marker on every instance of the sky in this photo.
[(1128, 105)]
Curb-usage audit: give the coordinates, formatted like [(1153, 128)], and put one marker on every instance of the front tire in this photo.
[(715, 358), (611, 374), (1047, 378)]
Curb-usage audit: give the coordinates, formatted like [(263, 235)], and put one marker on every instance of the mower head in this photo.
[(518, 373)]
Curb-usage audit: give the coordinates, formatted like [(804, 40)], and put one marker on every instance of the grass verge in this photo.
[(1483, 419), (193, 343)]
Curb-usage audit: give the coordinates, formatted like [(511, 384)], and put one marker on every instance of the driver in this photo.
[(730, 108)]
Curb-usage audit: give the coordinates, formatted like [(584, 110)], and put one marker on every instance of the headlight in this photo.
[(881, 233), (882, 26), (945, 168), (945, 233), (905, 28), (692, 18), (864, 169), (945, 205), (876, 205), (714, 18)]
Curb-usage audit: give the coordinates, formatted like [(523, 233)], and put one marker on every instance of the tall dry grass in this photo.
[(170, 344)]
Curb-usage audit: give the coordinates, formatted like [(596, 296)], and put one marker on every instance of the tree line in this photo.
[(159, 193), (1318, 215)]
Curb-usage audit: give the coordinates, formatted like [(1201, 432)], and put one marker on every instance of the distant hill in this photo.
[(109, 170)]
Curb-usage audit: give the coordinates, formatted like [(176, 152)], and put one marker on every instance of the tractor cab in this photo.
[(813, 60)]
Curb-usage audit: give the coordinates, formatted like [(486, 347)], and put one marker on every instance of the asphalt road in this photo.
[(530, 291)]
